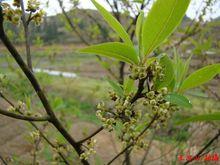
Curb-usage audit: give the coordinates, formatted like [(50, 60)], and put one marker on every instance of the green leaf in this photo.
[(129, 85), (161, 21), (113, 23), (116, 87), (179, 100), (171, 86), (180, 69), (199, 118), (138, 31), (151, 60), (138, 1), (168, 72), (115, 50), (200, 77), (104, 64)]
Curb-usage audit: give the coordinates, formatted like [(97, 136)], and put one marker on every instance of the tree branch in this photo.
[(50, 143), (204, 148), (126, 148), (91, 135), (35, 84), (22, 117), (27, 37), (147, 150), (3, 161), (71, 23), (139, 91)]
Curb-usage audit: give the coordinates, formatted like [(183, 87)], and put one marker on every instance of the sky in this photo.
[(194, 6)]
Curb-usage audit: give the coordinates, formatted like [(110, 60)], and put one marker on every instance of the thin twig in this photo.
[(139, 91), (3, 161), (126, 148), (6, 99), (23, 117), (50, 143), (71, 23), (91, 135), (27, 36), (36, 148), (147, 150), (204, 148)]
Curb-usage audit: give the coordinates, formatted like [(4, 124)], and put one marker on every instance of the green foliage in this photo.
[(115, 25), (151, 60), (120, 51), (168, 72), (138, 31), (200, 77), (116, 87), (202, 46), (179, 100), (161, 21), (180, 70), (129, 86), (199, 118)]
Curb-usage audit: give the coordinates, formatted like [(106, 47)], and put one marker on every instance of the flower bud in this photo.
[(128, 113), (164, 90), (150, 94), (153, 102), (167, 105)]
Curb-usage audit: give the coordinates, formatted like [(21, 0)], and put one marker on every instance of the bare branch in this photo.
[(90, 136), (139, 91), (204, 148), (27, 36), (147, 150), (3, 161), (22, 117), (71, 23)]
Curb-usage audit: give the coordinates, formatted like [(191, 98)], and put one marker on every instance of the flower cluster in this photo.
[(138, 72), (19, 109), (141, 72), (123, 116), (35, 135), (156, 70), (33, 7), (11, 109), (10, 14), (13, 14), (60, 148), (90, 149), (16, 3), (156, 102), (38, 17)]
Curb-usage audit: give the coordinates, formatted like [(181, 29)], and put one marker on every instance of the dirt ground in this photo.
[(13, 142)]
